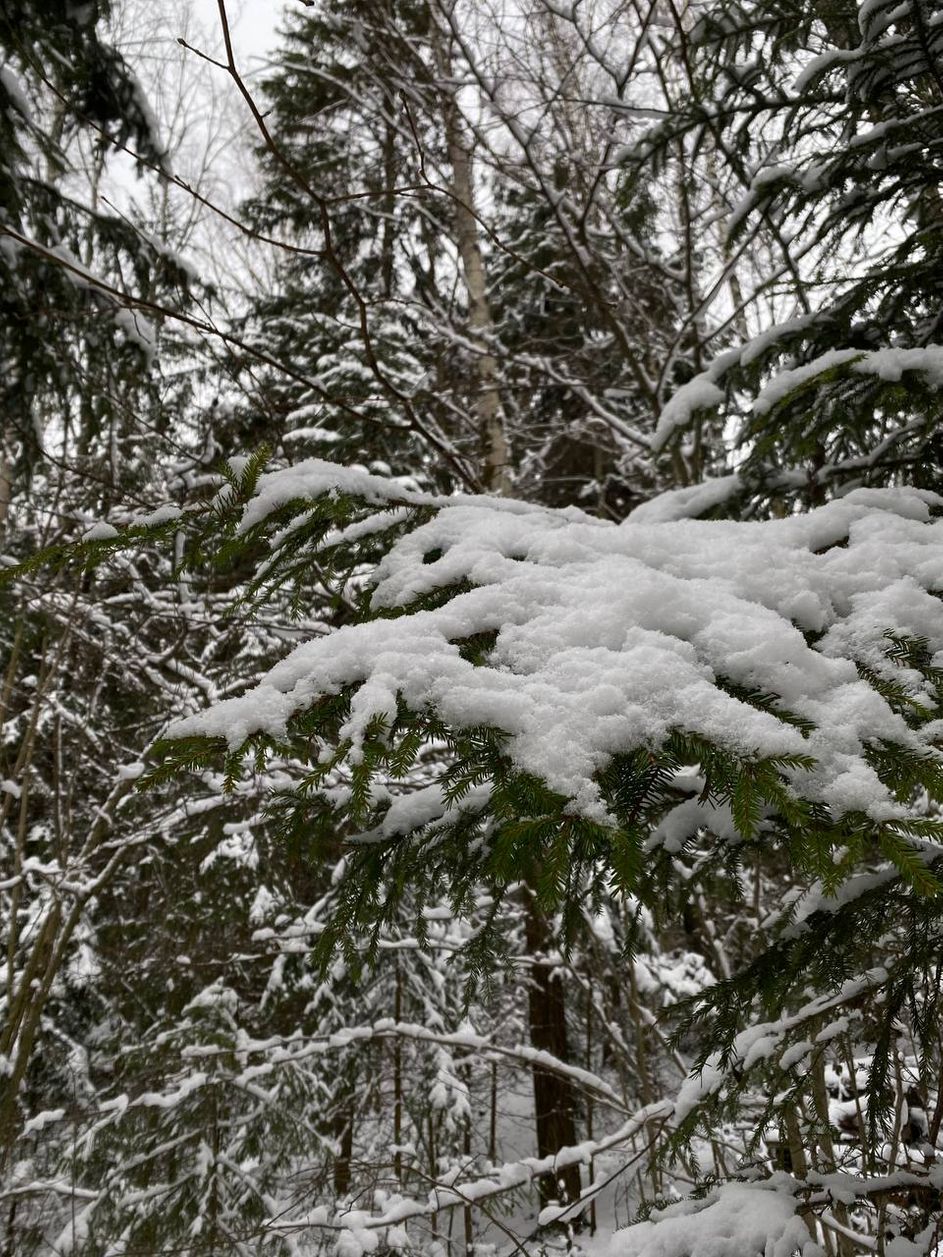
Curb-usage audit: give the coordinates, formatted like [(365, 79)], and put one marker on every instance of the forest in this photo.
[(471, 638)]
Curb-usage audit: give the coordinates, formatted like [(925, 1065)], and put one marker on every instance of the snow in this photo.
[(74, 1235), (685, 820), (237, 844), (824, 61), (314, 477), (686, 503), (132, 771), (138, 330), (760, 345), (162, 515), (736, 1220), (609, 638), (793, 1055), (761, 1041), (890, 364), (703, 392), (15, 94), (832, 1030), (263, 905), (326, 435), (101, 531), (887, 364), (421, 807), (42, 1119), (786, 381)]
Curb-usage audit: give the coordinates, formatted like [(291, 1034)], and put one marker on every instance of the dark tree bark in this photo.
[(344, 1135), (554, 1099)]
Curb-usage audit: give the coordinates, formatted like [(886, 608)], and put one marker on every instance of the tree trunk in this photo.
[(554, 1099), (6, 491), (495, 451), (398, 1080), (344, 1136)]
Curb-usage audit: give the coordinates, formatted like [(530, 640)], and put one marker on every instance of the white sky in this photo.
[(254, 24), (205, 125)]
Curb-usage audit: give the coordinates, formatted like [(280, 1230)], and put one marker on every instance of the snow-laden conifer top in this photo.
[(609, 637)]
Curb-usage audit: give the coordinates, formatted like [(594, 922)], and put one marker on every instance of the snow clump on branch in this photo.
[(608, 638)]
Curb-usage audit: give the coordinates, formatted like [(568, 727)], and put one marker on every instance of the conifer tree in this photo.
[(73, 351), (88, 402), (537, 791), (364, 284), (851, 877), (831, 119), (659, 764)]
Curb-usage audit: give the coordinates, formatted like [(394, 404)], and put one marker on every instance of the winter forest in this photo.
[(471, 628)]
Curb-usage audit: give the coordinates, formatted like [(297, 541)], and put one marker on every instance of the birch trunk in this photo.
[(494, 444)]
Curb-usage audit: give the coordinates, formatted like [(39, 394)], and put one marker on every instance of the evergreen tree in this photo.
[(671, 787), (91, 391), (541, 790), (850, 882), (362, 288), (577, 416), (831, 118), (74, 347)]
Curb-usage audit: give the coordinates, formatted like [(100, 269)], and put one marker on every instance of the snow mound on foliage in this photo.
[(736, 1220), (610, 637), (686, 503)]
